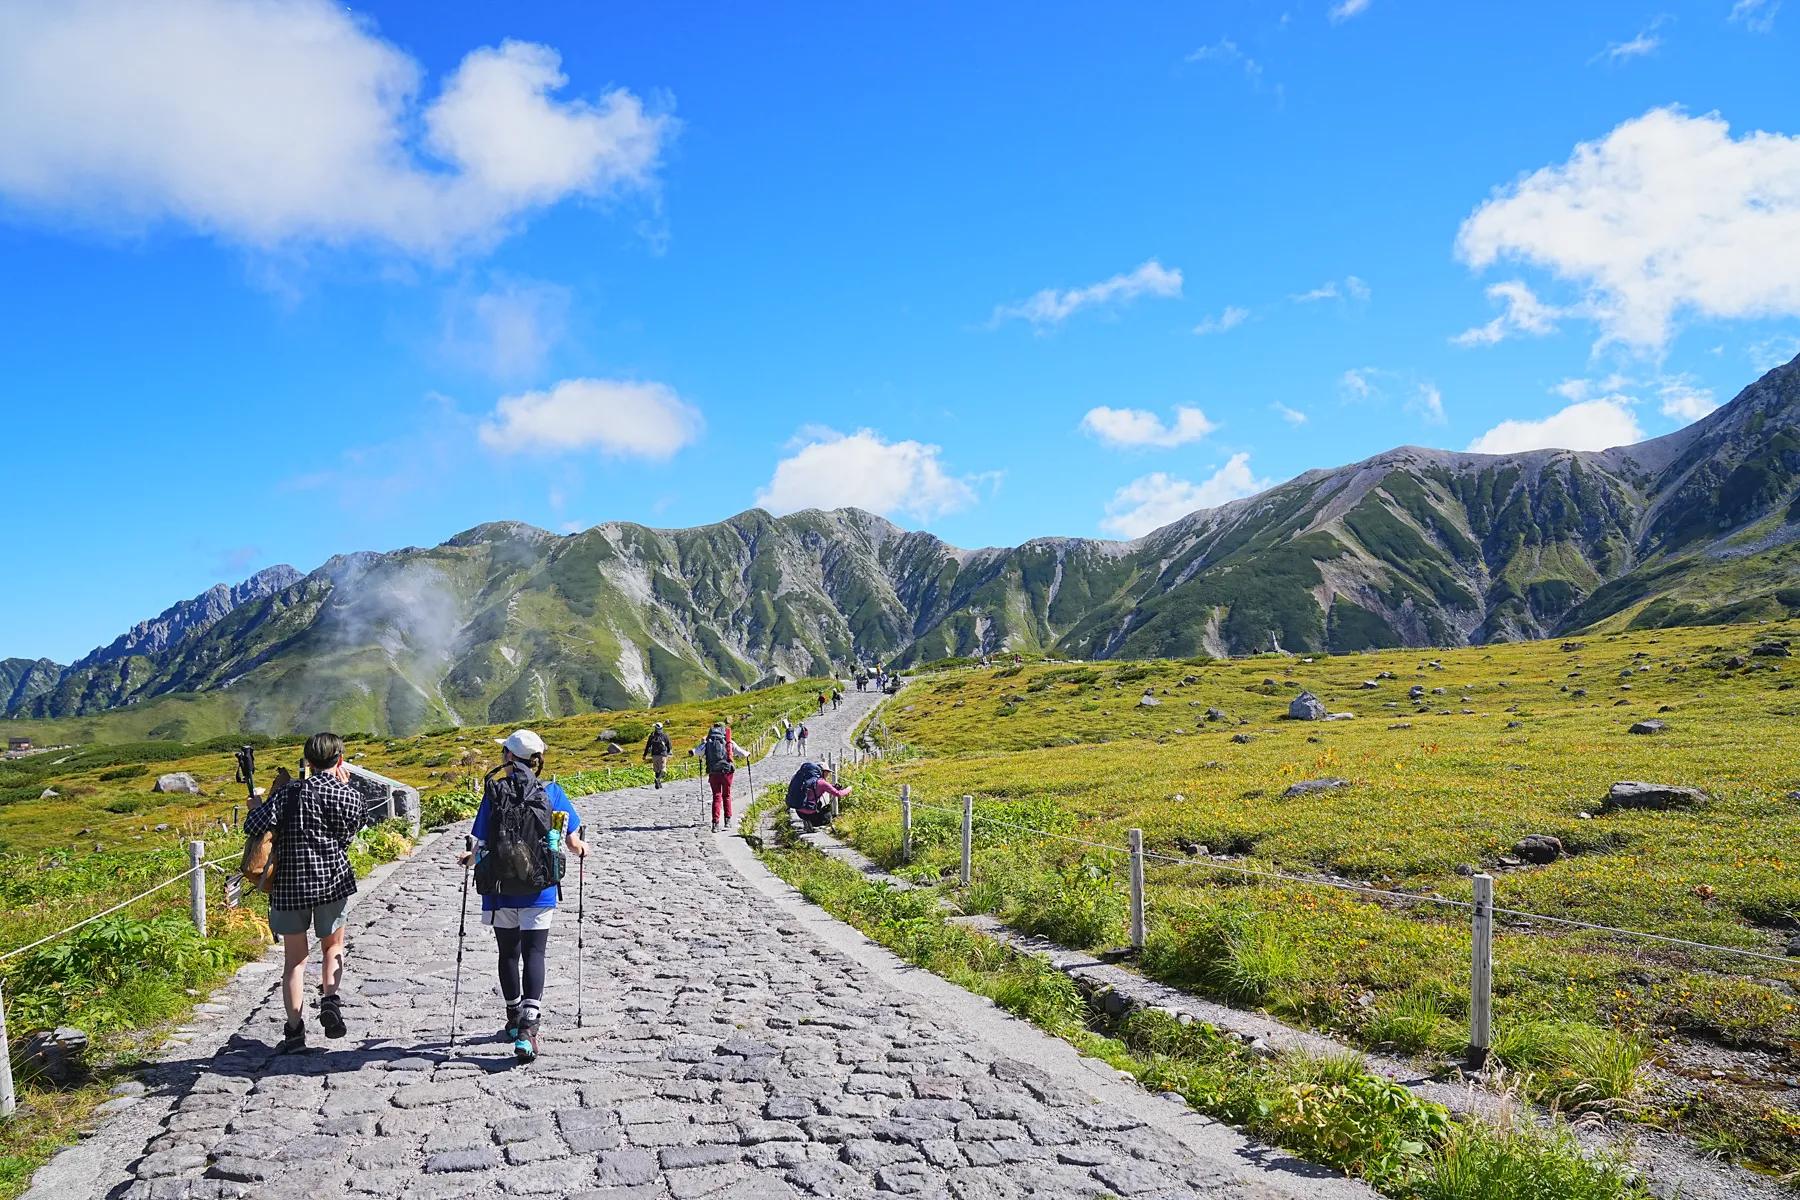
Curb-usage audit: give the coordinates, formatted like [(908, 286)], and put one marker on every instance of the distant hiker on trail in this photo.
[(803, 734), (821, 701), (313, 821), (837, 698), (520, 830), (809, 794), (862, 682), (788, 732), (657, 749), (718, 753)]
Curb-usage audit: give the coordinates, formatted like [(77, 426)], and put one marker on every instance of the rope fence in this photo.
[(1482, 909)]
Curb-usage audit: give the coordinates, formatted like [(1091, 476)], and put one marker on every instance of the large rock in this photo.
[(1650, 726), (1307, 787), (1148, 701), (177, 781), (1631, 794), (1771, 649), (1416, 692), (1215, 714), (1538, 848), (1306, 707), (385, 797)]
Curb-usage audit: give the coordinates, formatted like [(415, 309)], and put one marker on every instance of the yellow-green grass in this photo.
[(1067, 748)]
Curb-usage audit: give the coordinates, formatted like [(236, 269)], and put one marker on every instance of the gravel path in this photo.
[(735, 1044)]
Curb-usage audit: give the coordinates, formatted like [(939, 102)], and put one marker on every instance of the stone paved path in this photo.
[(726, 1051)]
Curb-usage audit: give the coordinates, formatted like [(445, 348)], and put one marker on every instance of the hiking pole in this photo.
[(462, 927), (580, 934)]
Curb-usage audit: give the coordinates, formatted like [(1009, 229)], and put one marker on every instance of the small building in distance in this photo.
[(17, 745)]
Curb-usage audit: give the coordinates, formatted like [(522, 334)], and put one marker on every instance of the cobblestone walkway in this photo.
[(725, 1052)]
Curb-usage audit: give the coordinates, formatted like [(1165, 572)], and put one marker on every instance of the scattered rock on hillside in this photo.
[(1215, 714), (1771, 649), (1384, 674), (1243, 739), (1632, 794), (1579, 692), (1148, 701), (1465, 869), (1571, 647), (49, 794), (1793, 946), (177, 781), (1369, 684), (1343, 716), (1416, 692), (1438, 691), (1401, 725), (1307, 787), (607, 735), (1515, 724), (1306, 707), (1538, 848), (1734, 662), (613, 748), (1650, 726)]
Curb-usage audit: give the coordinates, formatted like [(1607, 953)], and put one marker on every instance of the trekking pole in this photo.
[(462, 927), (580, 934)]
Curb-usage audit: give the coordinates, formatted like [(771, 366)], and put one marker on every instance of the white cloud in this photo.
[(282, 122), (1226, 51), (1228, 320), (1051, 307), (623, 418), (1666, 214), (834, 470), (1359, 382), (1343, 10), (1292, 416), (1646, 42), (1351, 289), (1586, 425), (1684, 399), (1773, 352), (1428, 402), (1135, 427), (1525, 313), (1758, 16), (1157, 499), (508, 329)]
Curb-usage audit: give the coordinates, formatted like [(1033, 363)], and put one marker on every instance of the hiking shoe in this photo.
[(525, 1046), (293, 1039), (331, 1017), (511, 1032), (715, 827)]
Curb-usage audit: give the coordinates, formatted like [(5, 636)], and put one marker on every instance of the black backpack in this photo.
[(517, 859), (658, 743), (717, 751), (799, 793)]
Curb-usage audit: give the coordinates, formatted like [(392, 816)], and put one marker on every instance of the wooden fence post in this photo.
[(906, 822), (1136, 840), (197, 884), (1481, 973), (968, 839)]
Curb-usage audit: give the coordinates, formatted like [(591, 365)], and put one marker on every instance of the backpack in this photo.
[(717, 750), (803, 733), (658, 743), (799, 793), (518, 860)]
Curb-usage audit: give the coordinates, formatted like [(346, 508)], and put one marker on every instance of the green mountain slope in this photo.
[(506, 622)]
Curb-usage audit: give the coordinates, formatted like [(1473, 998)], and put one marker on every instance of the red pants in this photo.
[(721, 790)]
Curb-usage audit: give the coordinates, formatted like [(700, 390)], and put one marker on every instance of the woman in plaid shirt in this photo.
[(313, 821)]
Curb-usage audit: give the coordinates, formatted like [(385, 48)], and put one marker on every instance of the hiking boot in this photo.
[(511, 1032), (525, 1045), (331, 1017), (293, 1039), (715, 827)]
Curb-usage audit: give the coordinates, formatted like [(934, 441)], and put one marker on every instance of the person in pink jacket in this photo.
[(817, 809)]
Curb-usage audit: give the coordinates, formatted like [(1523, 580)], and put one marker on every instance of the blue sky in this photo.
[(284, 279)]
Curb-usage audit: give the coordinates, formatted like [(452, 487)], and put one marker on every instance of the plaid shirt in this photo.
[(313, 821)]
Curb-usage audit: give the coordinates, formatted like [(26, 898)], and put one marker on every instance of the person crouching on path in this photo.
[(816, 810), (718, 753), (314, 821), (657, 749), (516, 837)]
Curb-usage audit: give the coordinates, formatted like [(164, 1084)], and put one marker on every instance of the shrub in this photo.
[(1571, 1064)]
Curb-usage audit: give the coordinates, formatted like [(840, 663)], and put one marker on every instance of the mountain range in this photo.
[(1414, 547)]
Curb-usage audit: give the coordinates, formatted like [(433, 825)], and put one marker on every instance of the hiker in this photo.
[(810, 792), (718, 753), (821, 702), (788, 732), (518, 871), (837, 698), (313, 820), (657, 749), (803, 733)]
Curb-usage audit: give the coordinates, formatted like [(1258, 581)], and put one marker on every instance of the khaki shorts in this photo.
[(326, 919)]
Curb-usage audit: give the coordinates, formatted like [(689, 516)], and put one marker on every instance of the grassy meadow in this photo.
[(102, 835), (1522, 739)]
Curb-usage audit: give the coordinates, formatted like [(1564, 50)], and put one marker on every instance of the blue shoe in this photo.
[(525, 1047)]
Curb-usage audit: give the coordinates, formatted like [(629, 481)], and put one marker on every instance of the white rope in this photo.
[(115, 908), (1374, 891)]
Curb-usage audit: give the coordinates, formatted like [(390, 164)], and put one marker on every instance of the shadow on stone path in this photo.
[(726, 1051)]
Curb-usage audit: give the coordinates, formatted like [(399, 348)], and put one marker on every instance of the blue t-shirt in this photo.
[(559, 802)]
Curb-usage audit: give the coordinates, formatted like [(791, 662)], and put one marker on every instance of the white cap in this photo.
[(523, 743), (659, 724)]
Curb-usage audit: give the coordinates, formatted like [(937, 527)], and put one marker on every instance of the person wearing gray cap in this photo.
[(657, 748), (521, 920)]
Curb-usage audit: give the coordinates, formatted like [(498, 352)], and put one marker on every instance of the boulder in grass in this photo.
[(1416, 692), (1306, 707), (1215, 714), (1308, 787), (1633, 794), (1148, 701), (1646, 727), (1369, 685), (1538, 848), (1771, 649), (177, 781), (1243, 739)]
